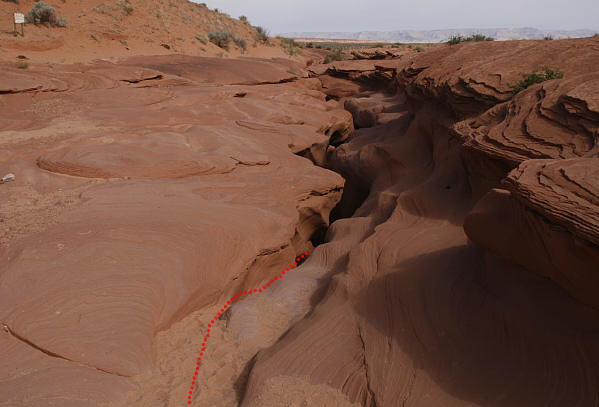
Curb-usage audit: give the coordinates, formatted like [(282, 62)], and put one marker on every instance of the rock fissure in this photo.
[(47, 352), (372, 395)]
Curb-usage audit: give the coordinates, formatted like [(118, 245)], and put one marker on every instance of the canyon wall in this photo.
[(470, 277)]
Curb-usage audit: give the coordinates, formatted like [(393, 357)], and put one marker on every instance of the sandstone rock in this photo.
[(183, 195), (379, 53), (174, 173), (7, 178), (470, 78), (548, 222), (440, 320), (364, 111)]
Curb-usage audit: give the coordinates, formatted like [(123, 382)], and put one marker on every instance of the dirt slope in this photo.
[(98, 29)]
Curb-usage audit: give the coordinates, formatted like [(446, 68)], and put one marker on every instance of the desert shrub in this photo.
[(241, 43), (12, 1), (201, 38), (309, 45), (289, 42), (290, 46), (379, 45), (261, 34), (41, 13), (548, 38), (419, 48), (456, 39), (22, 64), (596, 35), (128, 10), (243, 19), (220, 39), (538, 76), (479, 37), (333, 56)]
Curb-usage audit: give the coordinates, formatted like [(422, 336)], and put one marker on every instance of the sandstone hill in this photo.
[(98, 29)]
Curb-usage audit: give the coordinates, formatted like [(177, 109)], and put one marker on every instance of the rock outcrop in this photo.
[(547, 220), (467, 274), (459, 265), (168, 173)]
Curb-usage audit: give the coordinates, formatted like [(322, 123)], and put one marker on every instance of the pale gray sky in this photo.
[(385, 15)]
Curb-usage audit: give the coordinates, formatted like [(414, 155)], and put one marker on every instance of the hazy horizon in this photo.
[(391, 15)]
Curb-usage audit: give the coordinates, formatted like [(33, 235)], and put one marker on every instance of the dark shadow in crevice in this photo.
[(354, 195), (337, 138), (319, 236), (486, 332), (240, 384)]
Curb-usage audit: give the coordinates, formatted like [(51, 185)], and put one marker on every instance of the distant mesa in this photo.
[(419, 36)]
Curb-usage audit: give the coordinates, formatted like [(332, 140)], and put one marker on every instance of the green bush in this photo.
[(243, 19), (333, 56), (419, 48), (12, 1), (241, 43), (538, 76), (41, 13), (456, 39), (220, 39), (261, 34), (290, 46), (548, 38), (22, 64)]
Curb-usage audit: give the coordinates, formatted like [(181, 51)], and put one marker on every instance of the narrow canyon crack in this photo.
[(47, 352), (365, 367)]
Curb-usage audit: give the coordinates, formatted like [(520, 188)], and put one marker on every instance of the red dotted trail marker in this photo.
[(202, 351)]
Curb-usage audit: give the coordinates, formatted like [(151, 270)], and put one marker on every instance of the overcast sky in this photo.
[(385, 15)]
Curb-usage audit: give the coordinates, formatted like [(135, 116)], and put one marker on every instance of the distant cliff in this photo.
[(442, 35)]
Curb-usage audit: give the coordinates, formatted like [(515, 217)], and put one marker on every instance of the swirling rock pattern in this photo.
[(467, 274), (464, 274), (546, 220), (168, 173)]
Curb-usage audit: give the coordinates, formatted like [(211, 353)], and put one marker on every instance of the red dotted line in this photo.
[(194, 381)]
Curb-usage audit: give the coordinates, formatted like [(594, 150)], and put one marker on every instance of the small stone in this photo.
[(7, 178)]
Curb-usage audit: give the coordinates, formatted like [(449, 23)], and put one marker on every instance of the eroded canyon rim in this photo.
[(460, 269)]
